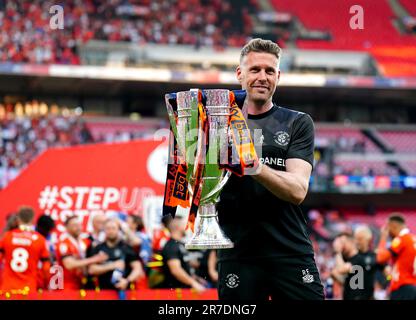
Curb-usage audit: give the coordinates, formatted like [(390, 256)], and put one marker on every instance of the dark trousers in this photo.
[(288, 278)]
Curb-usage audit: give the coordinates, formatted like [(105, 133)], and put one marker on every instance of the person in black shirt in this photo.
[(122, 260), (272, 255), (176, 268), (356, 264)]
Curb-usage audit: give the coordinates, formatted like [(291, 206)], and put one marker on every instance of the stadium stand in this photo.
[(410, 6), (23, 137), (390, 48), (400, 141), (360, 168), (319, 15), (345, 139), (164, 22), (410, 166)]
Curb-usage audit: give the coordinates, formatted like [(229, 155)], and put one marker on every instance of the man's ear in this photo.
[(238, 74), (278, 77)]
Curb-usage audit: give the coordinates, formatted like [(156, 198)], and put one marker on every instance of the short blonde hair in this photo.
[(366, 230), (261, 45)]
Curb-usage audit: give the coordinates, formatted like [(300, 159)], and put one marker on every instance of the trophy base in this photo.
[(208, 234), (196, 244)]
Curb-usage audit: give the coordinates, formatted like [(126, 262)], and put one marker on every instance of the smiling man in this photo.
[(273, 255)]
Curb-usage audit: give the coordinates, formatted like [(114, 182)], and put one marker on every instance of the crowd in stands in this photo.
[(28, 130), (26, 35)]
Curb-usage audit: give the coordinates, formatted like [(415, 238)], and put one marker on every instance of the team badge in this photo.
[(63, 248), (117, 253), (395, 243), (306, 276), (282, 138), (232, 280)]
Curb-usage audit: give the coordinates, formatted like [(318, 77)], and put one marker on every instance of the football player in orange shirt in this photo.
[(402, 252), (71, 255), (22, 249)]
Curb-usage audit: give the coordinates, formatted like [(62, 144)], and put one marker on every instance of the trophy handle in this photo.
[(212, 195)]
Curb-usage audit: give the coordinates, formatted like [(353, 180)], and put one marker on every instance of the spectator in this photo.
[(12, 222), (176, 268), (162, 236), (135, 224), (97, 235), (71, 252), (45, 225), (351, 263), (122, 260)]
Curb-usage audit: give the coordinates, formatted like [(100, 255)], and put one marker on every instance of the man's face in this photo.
[(98, 223), (74, 228), (258, 74), (361, 240), (131, 223), (111, 230), (393, 228), (348, 245), (176, 225)]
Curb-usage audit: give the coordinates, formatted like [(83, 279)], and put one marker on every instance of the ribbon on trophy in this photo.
[(176, 188), (241, 152), (202, 149)]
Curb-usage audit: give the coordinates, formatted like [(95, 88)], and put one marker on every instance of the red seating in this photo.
[(410, 6), (400, 141), (410, 166), (359, 167), (379, 219), (334, 16), (378, 31), (351, 134)]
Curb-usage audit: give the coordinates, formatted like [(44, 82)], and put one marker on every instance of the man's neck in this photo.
[(403, 231), (352, 253), (255, 108), (96, 234), (176, 236), (26, 227), (364, 249), (75, 237), (112, 243)]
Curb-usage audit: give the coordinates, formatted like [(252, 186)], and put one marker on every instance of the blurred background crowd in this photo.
[(117, 246)]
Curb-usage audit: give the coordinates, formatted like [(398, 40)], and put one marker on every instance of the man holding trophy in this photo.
[(254, 172)]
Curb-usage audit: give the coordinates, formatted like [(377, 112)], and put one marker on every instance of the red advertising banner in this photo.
[(86, 179)]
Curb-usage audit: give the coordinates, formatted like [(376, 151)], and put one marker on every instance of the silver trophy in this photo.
[(191, 143)]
